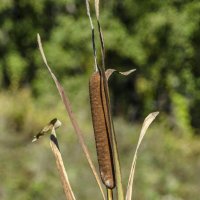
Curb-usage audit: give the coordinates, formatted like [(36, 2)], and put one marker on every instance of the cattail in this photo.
[(101, 126)]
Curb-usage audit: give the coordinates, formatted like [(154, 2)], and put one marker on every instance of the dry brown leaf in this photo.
[(61, 168), (109, 72)]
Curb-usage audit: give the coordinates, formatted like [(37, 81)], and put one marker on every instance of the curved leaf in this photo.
[(148, 120), (109, 72)]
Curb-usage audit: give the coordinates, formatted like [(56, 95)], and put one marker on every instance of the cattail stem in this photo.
[(109, 194)]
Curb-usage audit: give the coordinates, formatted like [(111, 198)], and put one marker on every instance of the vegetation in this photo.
[(167, 166), (160, 40)]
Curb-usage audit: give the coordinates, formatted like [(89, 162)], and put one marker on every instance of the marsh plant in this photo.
[(104, 132)]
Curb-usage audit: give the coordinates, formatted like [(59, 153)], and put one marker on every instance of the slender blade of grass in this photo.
[(72, 118), (148, 120), (61, 168), (93, 35)]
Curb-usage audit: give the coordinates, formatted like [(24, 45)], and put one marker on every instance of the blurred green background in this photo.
[(160, 39)]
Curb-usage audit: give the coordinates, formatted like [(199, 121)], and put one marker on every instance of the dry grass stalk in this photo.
[(97, 8), (61, 168), (102, 133), (72, 118)]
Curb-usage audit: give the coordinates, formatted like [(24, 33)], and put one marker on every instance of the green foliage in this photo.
[(16, 65), (160, 40), (167, 166)]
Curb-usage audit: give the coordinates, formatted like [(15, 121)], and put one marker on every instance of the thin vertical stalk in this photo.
[(93, 36), (109, 194)]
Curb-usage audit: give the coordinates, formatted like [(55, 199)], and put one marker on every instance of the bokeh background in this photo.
[(160, 39)]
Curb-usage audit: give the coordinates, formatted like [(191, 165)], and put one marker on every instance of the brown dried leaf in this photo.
[(109, 72), (61, 168)]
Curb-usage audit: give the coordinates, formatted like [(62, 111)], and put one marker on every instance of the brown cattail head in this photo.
[(100, 119)]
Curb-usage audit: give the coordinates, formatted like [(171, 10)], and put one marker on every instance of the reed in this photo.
[(106, 148), (106, 143)]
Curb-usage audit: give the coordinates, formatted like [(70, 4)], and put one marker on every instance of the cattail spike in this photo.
[(101, 126)]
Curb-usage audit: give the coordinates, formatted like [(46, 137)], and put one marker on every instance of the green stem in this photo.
[(109, 194)]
